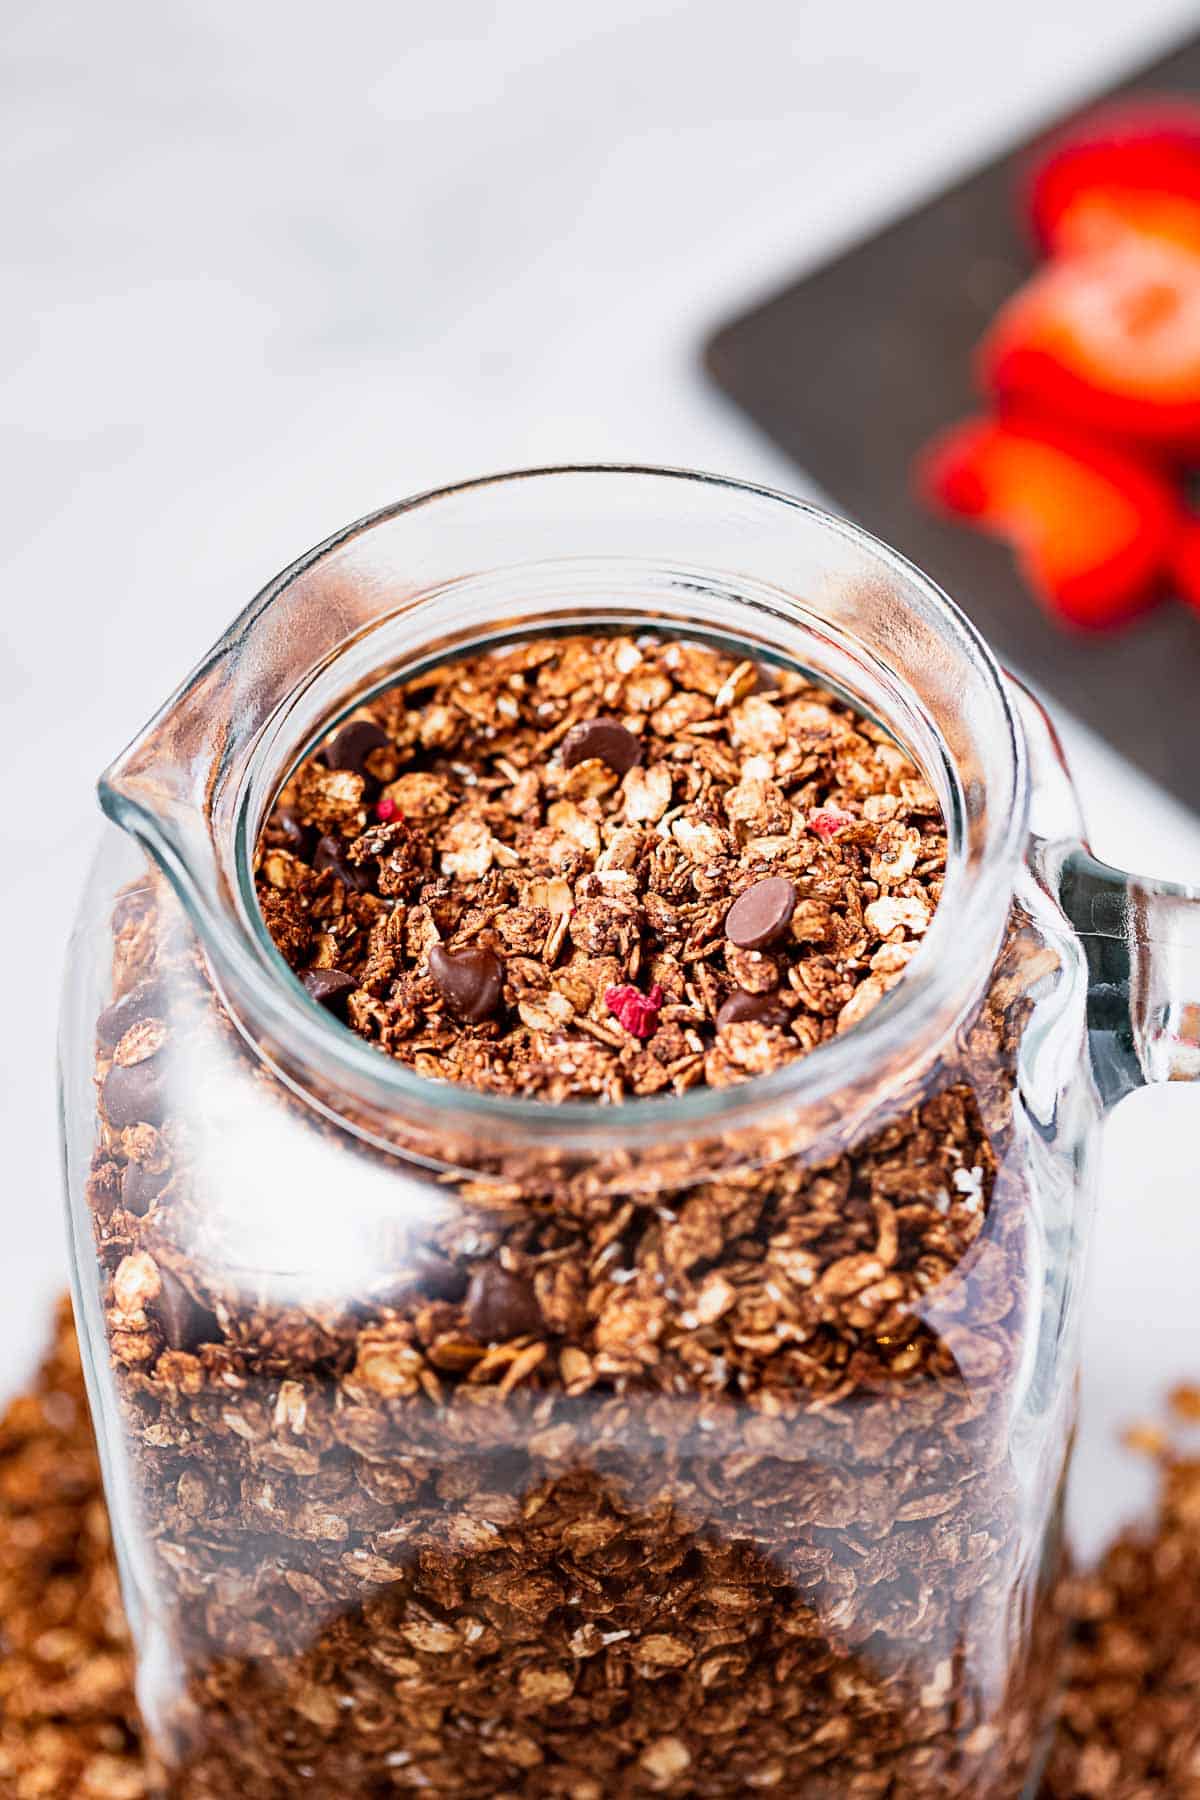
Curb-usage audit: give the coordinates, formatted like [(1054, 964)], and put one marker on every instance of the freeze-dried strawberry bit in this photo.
[(386, 810), (635, 1011), (827, 821)]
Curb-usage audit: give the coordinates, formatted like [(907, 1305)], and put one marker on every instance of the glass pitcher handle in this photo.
[(1142, 943), (1141, 938)]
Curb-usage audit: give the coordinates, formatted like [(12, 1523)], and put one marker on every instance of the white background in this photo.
[(269, 266)]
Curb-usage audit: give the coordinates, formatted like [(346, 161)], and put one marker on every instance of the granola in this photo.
[(598, 867), (68, 1721), (1129, 1719), (672, 1486)]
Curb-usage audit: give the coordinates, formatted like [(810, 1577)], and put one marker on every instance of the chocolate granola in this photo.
[(592, 1489), (593, 867), (1130, 1714), (68, 1720)]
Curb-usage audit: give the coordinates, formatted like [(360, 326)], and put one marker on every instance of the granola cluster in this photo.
[(600, 867), (675, 1486)]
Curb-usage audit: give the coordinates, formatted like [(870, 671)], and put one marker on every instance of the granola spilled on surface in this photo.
[(68, 1719), (1129, 1719), (602, 867)]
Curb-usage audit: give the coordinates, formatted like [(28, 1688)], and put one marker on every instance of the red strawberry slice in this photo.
[(1130, 167), (1092, 528), (1185, 562), (1109, 340)]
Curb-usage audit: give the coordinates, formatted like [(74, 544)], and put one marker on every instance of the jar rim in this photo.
[(923, 1007)]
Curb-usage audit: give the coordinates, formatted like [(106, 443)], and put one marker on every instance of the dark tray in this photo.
[(852, 368)]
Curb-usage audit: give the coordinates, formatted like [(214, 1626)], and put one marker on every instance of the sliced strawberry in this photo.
[(1185, 563), (1109, 340), (1134, 166), (1092, 527)]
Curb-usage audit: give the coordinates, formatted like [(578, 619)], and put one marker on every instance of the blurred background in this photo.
[(268, 269)]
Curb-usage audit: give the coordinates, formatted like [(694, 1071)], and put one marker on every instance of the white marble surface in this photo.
[(270, 266)]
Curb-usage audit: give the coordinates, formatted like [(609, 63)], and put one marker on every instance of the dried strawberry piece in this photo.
[(827, 821), (386, 809), (1109, 341), (1093, 528), (635, 1011), (1129, 167)]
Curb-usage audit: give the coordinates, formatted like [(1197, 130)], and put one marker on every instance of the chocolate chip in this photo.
[(328, 987), (145, 1001), (471, 981), (762, 914), (762, 1009), (350, 747), (284, 828), (139, 1188), (330, 853), (185, 1323), (438, 1277), (134, 1095), (500, 1306), (603, 738)]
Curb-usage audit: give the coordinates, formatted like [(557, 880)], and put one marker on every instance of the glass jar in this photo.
[(778, 1511)]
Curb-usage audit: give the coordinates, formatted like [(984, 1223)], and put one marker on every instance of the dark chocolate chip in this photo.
[(139, 1187), (185, 1323), (329, 987), (762, 914), (286, 830), (330, 853), (471, 981), (762, 1009), (438, 1277), (500, 1306), (350, 747), (605, 738), (134, 1096), (145, 1001)]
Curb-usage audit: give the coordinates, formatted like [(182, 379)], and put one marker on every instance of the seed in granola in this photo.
[(133, 1095), (350, 747), (604, 738), (762, 914), (635, 1011), (328, 987), (471, 980), (185, 1323), (330, 854), (762, 1009), (500, 1305)]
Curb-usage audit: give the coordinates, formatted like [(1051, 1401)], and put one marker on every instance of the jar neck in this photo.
[(565, 551)]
